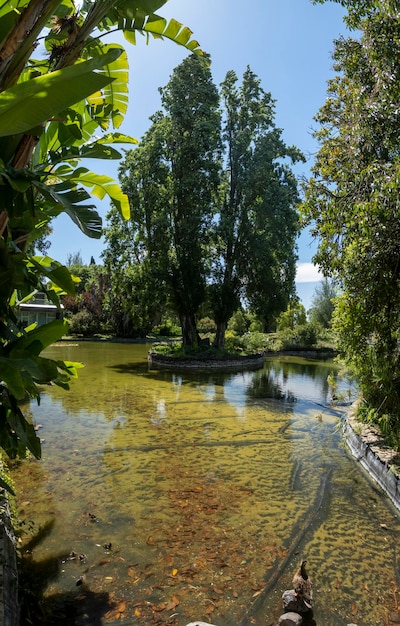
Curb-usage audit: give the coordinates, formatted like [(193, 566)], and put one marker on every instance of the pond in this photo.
[(164, 498)]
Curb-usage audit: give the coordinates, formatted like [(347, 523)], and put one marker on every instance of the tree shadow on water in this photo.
[(76, 607)]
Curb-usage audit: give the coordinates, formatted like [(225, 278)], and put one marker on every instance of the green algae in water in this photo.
[(173, 497)]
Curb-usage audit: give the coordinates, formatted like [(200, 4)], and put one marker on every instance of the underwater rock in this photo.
[(199, 624), (290, 619), (294, 603)]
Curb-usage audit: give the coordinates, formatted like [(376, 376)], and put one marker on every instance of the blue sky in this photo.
[(286, 43)]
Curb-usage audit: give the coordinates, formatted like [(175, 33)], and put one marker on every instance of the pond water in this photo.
[(164, 498)]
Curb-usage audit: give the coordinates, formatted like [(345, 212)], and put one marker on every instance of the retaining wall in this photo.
[(370, 449)]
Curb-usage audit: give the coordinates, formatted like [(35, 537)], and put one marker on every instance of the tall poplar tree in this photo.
[(193, 140), (254, 250), (171, 180)]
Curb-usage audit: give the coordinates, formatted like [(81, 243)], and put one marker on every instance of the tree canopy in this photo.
[(353, 200), (257, 225), (213, 200), (323, 303)]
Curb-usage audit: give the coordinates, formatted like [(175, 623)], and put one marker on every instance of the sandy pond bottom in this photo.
[(165, 498)]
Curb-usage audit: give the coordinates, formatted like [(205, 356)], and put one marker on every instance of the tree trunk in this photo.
[(219, 340), (189, 330), (267, 324)]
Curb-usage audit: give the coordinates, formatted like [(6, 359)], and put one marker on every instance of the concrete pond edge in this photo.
[(369, 448), (9, 603), (160, 361)]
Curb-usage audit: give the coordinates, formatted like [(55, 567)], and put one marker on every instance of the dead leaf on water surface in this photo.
[(117, 612), (172, 604)]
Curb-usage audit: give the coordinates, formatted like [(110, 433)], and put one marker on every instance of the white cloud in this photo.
[(308, 273)]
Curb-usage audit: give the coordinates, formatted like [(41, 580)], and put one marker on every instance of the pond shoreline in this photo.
[(160, 361), (313, 353), (368, 447)]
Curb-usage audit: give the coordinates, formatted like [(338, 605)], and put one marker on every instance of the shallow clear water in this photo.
[(209, 487)]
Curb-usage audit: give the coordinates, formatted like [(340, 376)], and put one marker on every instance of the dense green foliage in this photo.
[(85, 310), (171, 180), (354, 201), (213, 205), (52, 103), (295, 315), (323, 303), (254, 250)]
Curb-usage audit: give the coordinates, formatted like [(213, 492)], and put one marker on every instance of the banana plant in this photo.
[(57, 108)]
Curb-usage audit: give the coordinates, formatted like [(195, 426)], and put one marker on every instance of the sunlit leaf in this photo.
[(41, 337), (101, 185), (31, 103)]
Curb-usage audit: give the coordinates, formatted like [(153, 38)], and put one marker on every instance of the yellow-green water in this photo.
[(209, 487)]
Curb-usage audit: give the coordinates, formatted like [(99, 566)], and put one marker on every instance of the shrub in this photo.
[(167, 329), (206, 326), (256, 326), (238, 323), (257, 342), (303, 336), (233, 343), (249, 343), (84, 323)]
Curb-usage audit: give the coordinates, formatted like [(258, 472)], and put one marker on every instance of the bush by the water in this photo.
[(203, 353), (302, 336), (249, 343), (167, 329), (84, 323)]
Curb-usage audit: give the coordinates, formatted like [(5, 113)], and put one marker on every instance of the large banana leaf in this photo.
[(112, 101), (99, 149), (159, 27), (55, 271), (66, 197), (31, 103), (99, 185), (40, 338)]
